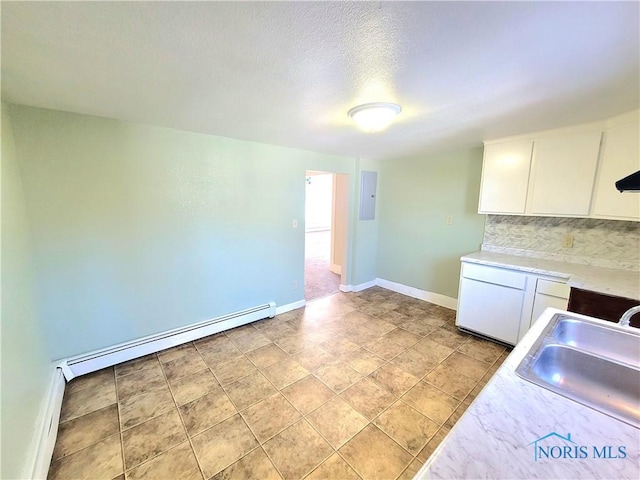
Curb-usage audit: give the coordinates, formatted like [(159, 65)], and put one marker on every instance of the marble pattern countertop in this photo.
[(493, 439), (612, 281)]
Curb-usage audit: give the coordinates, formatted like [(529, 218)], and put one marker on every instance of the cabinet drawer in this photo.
[(553, 289), (497, 276)]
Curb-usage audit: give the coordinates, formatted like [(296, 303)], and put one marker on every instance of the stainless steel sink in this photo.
[(603, 340), (593, 364)]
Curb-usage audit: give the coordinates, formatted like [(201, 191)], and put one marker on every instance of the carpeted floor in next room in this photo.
[(319, 281), (353, 386)]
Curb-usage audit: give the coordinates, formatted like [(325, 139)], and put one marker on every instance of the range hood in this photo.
[(630, 183)]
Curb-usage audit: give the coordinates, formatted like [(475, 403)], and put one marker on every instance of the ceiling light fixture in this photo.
[(373, 117)]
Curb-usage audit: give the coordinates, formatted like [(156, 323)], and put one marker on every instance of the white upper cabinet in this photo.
[(505, 175), (620, 158), (564, 170)]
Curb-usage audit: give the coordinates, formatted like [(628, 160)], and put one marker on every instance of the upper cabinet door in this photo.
[(621, 157), (564, 172), (505, 175)]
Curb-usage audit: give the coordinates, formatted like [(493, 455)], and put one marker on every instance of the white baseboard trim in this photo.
[(438, 299), (337, 269), (357, 288), (106, 357), (48, 420), (290, 306)]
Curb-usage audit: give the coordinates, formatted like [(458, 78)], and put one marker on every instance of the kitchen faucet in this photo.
[(625, 319)]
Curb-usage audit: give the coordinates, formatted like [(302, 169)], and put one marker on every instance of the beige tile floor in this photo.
[(358, 385)]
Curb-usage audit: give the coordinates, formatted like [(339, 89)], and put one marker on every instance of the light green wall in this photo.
[(26, 366), (139, 229), (415, 246)]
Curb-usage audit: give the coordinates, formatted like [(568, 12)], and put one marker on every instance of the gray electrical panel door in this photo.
[(368, 195)]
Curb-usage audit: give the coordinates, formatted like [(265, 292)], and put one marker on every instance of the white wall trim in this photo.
[(357, 288), (438, 299), (41, 452), (290, 306), (106, 357)]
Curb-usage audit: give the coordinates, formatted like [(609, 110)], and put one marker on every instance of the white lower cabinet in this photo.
[(500, 303), (549, 294)]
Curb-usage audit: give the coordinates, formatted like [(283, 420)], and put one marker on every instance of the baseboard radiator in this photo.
[(93, 361)]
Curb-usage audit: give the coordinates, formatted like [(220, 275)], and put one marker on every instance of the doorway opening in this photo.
[(326, 206)]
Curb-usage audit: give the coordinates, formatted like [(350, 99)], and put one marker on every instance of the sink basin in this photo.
[(610, 342), (593, 364), (609, 387)]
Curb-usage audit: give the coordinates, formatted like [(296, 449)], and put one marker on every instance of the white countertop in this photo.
[(612, 281), (493, 439)]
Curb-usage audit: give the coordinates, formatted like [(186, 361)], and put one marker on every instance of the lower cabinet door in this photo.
[(489, 309), (549, 294), (543, 301)]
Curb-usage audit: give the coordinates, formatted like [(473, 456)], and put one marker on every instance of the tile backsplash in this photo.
[(604, 243)]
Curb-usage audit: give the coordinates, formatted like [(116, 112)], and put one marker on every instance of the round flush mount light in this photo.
[(373, 117)]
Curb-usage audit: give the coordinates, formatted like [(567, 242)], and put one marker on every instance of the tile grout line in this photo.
[(184, 426), (302, 416), (407, 467), (222, 387), (347, 462), (239, 411), (386, 435), (400, 398), (154, 417), (97, 441), (422, 378), (120, 431), (369, 422), (278, 391), (271, 459), (91, 444), (126, 472)]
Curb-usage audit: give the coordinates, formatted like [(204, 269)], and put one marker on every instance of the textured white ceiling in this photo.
[(286, 73)]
